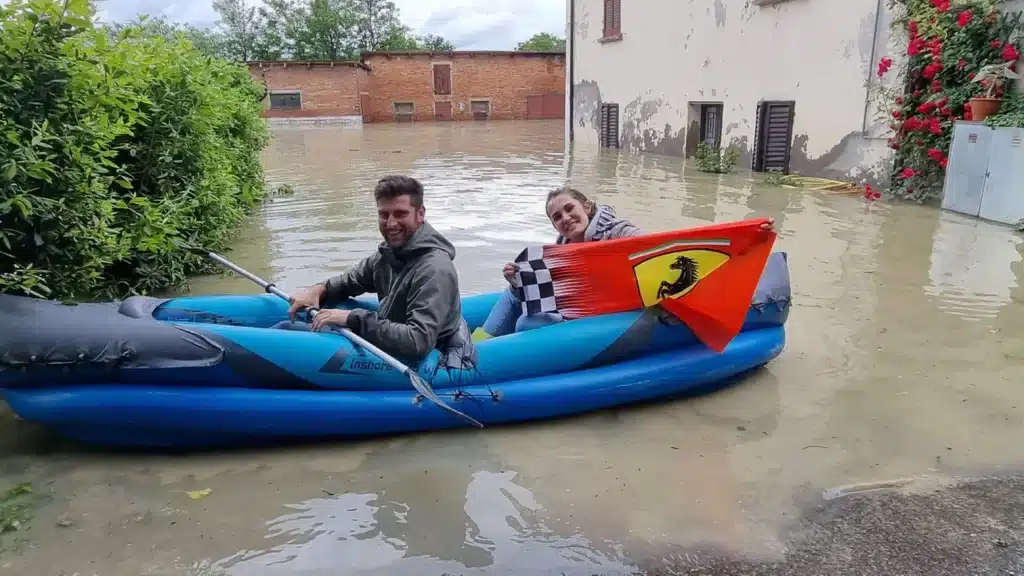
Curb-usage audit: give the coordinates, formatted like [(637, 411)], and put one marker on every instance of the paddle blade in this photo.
[(425, 390), (705, 276)]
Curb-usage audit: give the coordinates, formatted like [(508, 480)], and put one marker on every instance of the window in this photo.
[(773, 136), (442, 79), (285, 101), (609, 130), (480, 109), (612, 19), (404, 111)]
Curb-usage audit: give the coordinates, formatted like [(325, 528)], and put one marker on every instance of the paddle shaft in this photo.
[(359, 341)]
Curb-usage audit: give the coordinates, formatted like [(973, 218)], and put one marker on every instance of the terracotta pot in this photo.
[(982, 108)]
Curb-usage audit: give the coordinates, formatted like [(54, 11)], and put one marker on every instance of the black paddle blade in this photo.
[(427, 392)]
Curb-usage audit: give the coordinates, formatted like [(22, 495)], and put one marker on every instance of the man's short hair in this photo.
[(390, 187)]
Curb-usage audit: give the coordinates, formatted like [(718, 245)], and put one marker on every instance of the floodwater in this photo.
[(904, 334)]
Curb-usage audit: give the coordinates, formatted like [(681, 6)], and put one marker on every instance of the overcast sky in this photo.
[(470, 24)]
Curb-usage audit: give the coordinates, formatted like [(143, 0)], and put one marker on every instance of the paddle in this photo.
[(418, 383)]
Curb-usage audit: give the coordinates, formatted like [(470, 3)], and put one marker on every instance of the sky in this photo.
[(469, 24)]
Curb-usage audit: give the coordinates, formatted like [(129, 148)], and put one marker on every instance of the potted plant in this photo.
[(993, 77)]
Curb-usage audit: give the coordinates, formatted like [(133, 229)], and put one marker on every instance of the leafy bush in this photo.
[(713, 159), (112, 148), (1011, 113)]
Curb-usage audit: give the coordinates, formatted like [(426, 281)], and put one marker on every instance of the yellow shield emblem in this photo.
[(675, 274)]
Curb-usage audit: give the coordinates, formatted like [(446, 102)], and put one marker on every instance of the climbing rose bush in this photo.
[(946, 43)]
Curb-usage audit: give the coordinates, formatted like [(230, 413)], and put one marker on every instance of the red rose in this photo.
[(936, 86), (996, 43), (907, 173), (1010, 53), (883, 66), (943, 163), (915, 47), (931, 70), (964, 18), (961, 64)]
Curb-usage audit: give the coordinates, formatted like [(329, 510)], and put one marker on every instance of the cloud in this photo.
[(470, 24)]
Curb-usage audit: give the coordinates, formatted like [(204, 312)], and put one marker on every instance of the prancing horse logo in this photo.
[(689, 274), (675, 273)]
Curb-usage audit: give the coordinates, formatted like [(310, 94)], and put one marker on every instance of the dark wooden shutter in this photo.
[(609, 129), (773, 141), (612, 17), (442, 79)]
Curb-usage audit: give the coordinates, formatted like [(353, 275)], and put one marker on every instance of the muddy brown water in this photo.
[(903, 340)]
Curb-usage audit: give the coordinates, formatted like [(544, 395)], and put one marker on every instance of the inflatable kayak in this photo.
[(208, 370)]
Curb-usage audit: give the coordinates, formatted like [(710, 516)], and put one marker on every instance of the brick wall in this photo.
[(327, 89), (505, 79)]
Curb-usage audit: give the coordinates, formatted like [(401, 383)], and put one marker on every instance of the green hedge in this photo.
[(112, 146)]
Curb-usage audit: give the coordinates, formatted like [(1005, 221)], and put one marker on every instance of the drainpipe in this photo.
[(871, 64), (570, 51)]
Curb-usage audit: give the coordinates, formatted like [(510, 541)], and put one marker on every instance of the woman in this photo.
[(576, 219)]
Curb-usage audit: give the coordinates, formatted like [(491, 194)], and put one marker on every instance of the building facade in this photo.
[(418, 86), (790, 84)]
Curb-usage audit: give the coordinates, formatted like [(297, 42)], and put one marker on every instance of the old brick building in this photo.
[(418, 86)]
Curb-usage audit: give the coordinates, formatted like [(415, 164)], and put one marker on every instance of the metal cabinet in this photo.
[(985, 174)]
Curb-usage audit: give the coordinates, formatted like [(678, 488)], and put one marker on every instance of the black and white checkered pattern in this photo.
[(535, 289)]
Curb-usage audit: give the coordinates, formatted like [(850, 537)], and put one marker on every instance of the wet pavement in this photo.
[(902, 345)]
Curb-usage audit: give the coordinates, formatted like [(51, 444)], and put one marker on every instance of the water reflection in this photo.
[(504, 531), (902, 359), (972, 267)]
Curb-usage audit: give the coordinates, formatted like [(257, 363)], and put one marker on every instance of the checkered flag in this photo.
[(533, 284)]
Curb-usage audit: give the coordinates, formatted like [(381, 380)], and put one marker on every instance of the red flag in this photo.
[(705, 276)]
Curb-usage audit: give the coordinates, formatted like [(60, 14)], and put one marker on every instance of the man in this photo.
[(414, 277)]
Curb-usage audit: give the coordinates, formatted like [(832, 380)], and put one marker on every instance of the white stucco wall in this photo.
[(674, 52)]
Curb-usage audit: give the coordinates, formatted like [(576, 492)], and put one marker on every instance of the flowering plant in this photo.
[(955, 50)]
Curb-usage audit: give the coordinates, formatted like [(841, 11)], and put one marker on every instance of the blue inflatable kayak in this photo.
[(208, 371)]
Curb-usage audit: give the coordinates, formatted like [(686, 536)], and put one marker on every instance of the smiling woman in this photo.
[(577, 219)]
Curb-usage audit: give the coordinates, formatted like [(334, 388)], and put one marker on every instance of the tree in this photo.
[(378, 27), (206, 41), (328, 31), (283, 25), (241, 27), (542, 42), (434, 43), (315, 30)]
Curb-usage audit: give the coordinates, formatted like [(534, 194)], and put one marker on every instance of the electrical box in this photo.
[(985, 174)]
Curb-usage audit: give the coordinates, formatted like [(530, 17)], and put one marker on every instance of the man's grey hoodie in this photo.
[(420, 306)]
